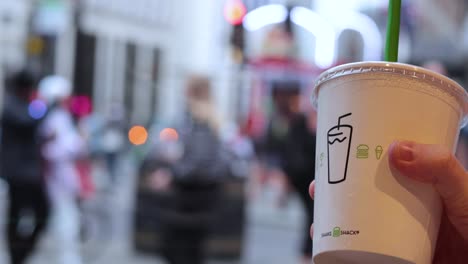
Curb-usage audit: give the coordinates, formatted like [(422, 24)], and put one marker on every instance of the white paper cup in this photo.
[(366, 213)]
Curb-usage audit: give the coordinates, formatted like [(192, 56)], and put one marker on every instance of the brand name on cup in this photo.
[(337, 232)]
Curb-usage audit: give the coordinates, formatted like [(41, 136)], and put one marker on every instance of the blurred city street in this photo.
[(186, 132), (272, 234)]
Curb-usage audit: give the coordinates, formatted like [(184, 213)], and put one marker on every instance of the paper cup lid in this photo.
[(437, 80)]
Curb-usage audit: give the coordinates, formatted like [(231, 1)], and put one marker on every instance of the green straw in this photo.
[(393, 30)]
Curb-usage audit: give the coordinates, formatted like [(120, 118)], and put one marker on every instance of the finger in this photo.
[(436, 165), (312, 231), (312, 189)]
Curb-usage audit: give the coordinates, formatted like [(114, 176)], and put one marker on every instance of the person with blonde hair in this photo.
[(200, 103), (197, 176)]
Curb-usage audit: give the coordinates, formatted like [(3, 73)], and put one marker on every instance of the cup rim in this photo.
[(411, 71)]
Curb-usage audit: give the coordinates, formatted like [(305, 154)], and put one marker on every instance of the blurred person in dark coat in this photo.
[(21, 167), (290, 146), (196, 178)]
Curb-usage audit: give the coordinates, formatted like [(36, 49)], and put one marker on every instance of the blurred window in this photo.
[(84, 63), (130, 76)]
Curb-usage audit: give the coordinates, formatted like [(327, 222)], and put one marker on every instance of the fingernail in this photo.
[(405, 151)]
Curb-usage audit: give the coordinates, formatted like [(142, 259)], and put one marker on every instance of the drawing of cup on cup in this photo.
[(339, 145)]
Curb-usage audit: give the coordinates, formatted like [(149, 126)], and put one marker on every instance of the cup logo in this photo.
[(339, 145), (336, 232)]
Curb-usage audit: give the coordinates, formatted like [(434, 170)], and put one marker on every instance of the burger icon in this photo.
[(362, 152)]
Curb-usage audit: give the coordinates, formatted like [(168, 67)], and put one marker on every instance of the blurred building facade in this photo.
[(133, 53), (14, 25), (144, 50), (137, 54)]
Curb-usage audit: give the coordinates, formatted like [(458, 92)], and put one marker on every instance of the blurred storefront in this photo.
[(14, 28), (145, 49), (138, 53), (134, 54), (332, 31), (130, 42)]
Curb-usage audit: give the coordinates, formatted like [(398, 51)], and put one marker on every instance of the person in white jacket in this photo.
[(60, 152)]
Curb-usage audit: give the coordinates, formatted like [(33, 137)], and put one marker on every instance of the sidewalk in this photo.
[(272, 234)]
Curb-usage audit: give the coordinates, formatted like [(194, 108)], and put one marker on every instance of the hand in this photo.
[(436, 165)]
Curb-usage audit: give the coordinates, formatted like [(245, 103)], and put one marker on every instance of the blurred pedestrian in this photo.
[(197, 178), (22, 169), (63, 180), (290, 145), (113, 140)]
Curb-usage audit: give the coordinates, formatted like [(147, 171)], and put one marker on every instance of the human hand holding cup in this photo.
[(435, 165), (366, 210)]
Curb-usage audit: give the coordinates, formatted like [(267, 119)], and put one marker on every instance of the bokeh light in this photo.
[(234, 12), (37, 109), (168, 134), (138, 135), (81, 105)]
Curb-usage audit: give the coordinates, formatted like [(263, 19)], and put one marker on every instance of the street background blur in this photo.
[(131, 65)]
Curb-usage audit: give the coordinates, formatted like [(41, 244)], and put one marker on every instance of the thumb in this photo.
[(436, 165)]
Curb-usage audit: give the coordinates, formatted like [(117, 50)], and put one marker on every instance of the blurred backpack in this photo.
[(204, 159), (198, 177)]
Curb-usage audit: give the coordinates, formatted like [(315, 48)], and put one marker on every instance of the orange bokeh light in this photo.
[(168, 134), (234, 12), (138, 135)]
